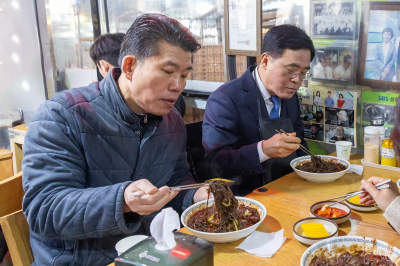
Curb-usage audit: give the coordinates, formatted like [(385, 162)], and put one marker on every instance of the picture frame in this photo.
[(334, 65), (333, 20), (243, 36), (379, 19)]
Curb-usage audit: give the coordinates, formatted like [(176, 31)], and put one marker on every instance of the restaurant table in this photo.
[(289, 198)]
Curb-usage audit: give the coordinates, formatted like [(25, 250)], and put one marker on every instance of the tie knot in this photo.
[(275, 100)]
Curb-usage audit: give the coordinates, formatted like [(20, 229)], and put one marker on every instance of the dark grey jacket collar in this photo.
[(116, 101)]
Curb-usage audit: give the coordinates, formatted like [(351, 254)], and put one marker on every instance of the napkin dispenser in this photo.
[(189, 250)]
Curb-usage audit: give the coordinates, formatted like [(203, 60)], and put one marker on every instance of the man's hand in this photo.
[(145, 205), (201, 194), (280, 146), (386, 70), (383, 75), (382, 197)]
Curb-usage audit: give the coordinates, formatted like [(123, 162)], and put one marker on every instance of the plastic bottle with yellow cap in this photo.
[(388, 154)]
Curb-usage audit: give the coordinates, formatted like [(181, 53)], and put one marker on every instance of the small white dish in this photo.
[(128, 242), (337, 220), (362, 208), (330, 226), (319, 177)]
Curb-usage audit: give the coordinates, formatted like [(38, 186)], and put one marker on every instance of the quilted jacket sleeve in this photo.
[(182, 176), (57, 203)]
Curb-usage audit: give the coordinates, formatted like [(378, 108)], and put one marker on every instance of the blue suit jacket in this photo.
[(231, 133)]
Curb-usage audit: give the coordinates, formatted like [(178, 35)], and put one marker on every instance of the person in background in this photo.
[(90, 151), (342, 118), (105, 52), (323, 69), (339, 136), (397, 49), (388, 200), (318, 99), (329, 102), (343, 72), (340, 101), (242, 115), (316, 134), (385, 57)]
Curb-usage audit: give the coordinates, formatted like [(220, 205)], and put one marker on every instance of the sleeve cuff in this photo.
[(261, 154), (188, 199), (129, 222), (392, 214)]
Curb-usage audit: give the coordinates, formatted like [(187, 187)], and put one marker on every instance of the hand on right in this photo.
[(145, 205), (381, 197), (280, 146)]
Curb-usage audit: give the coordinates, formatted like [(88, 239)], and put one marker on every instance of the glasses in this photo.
[(294, 74)]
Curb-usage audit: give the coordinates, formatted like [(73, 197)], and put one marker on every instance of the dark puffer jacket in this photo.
[(81, 151)]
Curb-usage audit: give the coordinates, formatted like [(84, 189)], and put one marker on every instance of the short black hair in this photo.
[(282, 37), (347, 58), (143, 37), (387, 29), (106, 47), (323, 54)]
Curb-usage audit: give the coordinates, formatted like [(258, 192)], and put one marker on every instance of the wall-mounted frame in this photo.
[(379, 29), (242, 27), (334, 65), (333, 20)]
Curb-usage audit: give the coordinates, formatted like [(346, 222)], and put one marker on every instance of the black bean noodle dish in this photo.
[(225, 215), (318, 165), (357, 259)]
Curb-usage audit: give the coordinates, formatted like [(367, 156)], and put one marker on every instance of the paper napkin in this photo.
[(263, 244), (358, 169), (162, 227)]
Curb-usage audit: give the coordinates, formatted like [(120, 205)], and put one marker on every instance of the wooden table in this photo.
[(288, 200)]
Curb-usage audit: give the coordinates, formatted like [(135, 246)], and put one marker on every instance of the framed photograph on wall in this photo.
[(242, 20), (333, 19), (334, 65), (379, 57)]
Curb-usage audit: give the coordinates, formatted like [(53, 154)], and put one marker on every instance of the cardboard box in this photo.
[(218, 59), (211, 77), (211, 59), (211, 68)]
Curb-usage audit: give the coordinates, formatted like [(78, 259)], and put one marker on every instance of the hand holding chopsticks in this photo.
[(383, 197), (304, 149)]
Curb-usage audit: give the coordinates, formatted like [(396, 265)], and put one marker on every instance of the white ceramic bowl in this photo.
[(336, 246), (229, 236), (319, 177), (330, 226), (128, 242), (337, 220), (362, 208)]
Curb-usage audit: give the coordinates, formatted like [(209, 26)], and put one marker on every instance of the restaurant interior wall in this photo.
[(22, 80), (69, 33)]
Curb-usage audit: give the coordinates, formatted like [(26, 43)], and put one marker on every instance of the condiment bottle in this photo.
[(371, 144), (379, 123), (388, 154)]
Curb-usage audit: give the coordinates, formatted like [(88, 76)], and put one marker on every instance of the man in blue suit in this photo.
[(242, 116), (385, 57)]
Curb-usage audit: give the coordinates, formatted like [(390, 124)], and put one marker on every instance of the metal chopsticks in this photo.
[(379, 186), (185, 187), (304, 149)]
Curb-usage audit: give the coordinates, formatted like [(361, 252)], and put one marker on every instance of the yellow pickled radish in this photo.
[(355, 200), (314, 230)]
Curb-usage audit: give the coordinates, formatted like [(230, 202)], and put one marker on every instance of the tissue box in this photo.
[(189, 250)]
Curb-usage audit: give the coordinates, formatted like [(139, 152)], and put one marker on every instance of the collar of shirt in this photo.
[(265, 94)]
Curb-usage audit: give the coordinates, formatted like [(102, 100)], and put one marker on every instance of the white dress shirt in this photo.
[(385, 51), (269, 104), (344, 74), (319, 72)]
